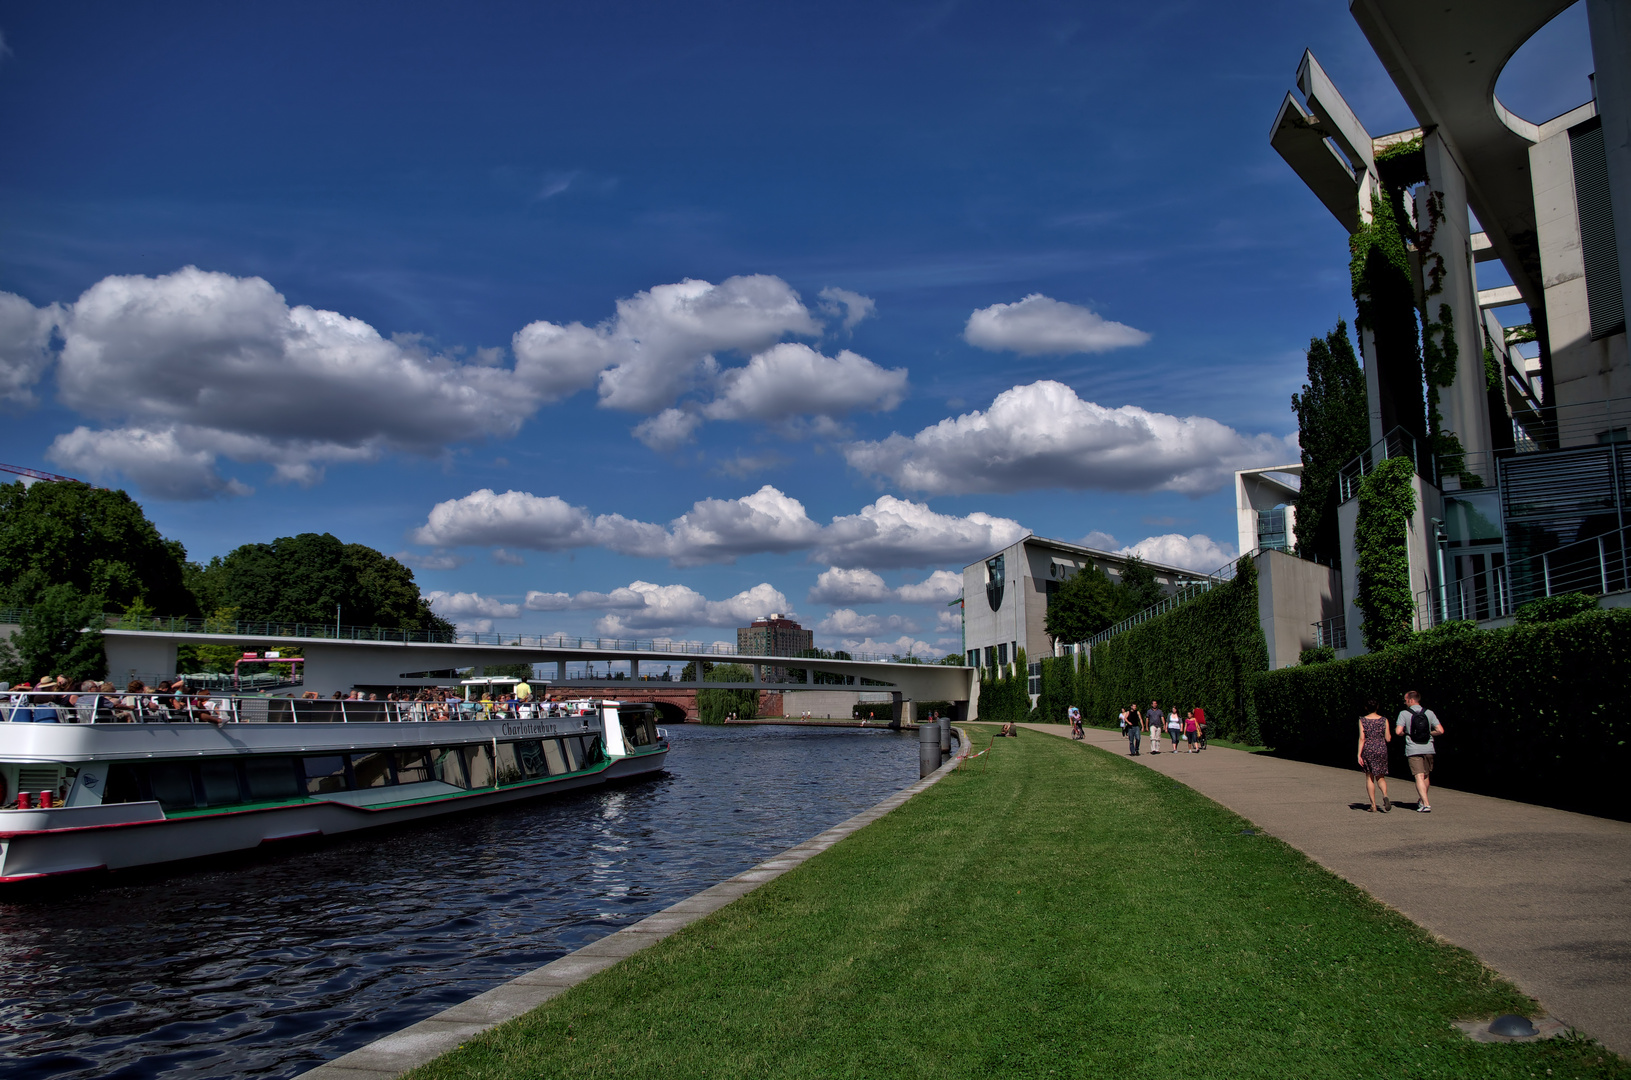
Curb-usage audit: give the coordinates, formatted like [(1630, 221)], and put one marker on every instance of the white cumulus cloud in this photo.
[(792, 379), (661, 340), (466, 604), (668, 430), (846, 622), (25, 346), (156, 461), (644, 607), (836, 585), (1042, 435), (895, 532), (1198, 552), (905, 645), (1039, 324), (890, 533), (853, 305)]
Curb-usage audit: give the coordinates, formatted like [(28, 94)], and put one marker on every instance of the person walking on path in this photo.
[(1200, 724), (1175, 728), (1373, 739), (1192, 732), (1133, 727), (1417, 726), (1075, 716), (1157, 720)]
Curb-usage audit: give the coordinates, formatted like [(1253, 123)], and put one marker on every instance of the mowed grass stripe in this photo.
[(1050, 911)]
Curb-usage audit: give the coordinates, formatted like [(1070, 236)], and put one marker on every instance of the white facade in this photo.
[(1005, 595), (1264, 516)]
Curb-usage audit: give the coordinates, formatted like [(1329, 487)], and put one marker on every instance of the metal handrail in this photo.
[(320, 632), (1186, 592), (1583, 423), (1600, 565), (1396, 443), (99, 707)]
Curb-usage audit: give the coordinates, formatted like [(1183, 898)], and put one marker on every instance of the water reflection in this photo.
[(266, 966)]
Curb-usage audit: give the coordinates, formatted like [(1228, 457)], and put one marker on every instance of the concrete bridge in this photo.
[(333, 663)]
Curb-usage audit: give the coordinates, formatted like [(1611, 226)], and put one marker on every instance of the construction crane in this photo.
[(35, 474)]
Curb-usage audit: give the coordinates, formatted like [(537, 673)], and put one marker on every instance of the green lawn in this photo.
[(1058, 911)]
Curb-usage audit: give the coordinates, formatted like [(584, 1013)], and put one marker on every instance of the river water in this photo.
[(266, 966)]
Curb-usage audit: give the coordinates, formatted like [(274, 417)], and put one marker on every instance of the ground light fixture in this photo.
[(1513, 1026)]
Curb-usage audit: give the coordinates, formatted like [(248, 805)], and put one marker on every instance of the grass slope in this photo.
[(1060, 913)]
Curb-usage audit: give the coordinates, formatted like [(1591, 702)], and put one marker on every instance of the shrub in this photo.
[(1317, 654), (1203, 653), (1005, 695), (1532, 712), (714, 705), (1552, 608), (1387, 501)]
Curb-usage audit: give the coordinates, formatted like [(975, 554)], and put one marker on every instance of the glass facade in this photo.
[(1271, 530)]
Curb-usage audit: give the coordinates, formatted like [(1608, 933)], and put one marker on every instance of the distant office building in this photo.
[(1266, 519), (1006, 597), (774, 635)]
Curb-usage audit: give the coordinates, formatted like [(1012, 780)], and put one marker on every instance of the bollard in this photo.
[(944, 724), (928, 749)]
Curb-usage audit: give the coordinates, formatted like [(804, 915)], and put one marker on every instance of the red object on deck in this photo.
[(24, 801), (45, 800)]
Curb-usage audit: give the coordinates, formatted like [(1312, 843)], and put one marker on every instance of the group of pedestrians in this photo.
[(1416, 726), (1187, 732)]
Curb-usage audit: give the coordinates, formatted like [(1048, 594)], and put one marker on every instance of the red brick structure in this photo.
[(677, 705)]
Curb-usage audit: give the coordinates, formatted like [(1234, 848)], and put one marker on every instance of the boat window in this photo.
[(372, 770), (638, 728), (447, 765), (531, 757), (122, 785), (412, 766), (220, 782), (592, 752), (172, 783), (269, 778), (325, 774), (478, 765), (509, 765), (573, 746), (554, 758)]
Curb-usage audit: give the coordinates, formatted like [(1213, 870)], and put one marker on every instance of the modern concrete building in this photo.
[(774, 635), (1006, 596), (1518, 238), (1264, 516)]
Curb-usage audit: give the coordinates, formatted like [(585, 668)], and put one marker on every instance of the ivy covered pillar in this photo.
[(1452, 316)]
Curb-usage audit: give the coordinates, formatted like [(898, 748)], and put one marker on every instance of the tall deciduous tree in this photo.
[(1333, 427), (96, 541), (713, 706), (60, 635), (305, 578)]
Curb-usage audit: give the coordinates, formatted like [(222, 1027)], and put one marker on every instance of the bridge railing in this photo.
[(332, 632)]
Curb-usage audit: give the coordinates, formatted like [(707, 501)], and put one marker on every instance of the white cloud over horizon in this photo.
[(1198, 552), (458, 605), (1042, 434), (649, 608), (1039, 325), (890, 533), (188, 368), (837, 585)]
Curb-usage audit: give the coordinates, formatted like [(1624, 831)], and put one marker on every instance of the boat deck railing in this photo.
[(32, 706)]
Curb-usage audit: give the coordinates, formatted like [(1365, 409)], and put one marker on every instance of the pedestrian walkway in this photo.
[(1540, 895)]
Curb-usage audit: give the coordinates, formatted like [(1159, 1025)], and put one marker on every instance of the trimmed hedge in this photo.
[(1006, 698), (1534, 712), (1204, 653)]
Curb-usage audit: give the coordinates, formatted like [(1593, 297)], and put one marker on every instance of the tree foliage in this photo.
[(96, 541), (1088, 601), (1387, 502), (1333, 428), (302, 579), (61, 635), (1534, 712), (713, 706)]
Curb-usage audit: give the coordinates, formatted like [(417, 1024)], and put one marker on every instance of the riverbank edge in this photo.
[(395, 1054)]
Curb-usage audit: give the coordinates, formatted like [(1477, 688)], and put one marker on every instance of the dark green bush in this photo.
[(1553, 608), (1203, 653), (1533, 712), (1005, 695), (1317, 654)]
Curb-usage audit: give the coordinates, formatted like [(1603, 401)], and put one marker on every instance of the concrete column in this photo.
[(1373, 384), (1610, 22), (634, 670), (928, 749), (1464, 403), (896, 709), (560, 671)]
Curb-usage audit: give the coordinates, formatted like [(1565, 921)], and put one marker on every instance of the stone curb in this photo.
[(393, 1055)]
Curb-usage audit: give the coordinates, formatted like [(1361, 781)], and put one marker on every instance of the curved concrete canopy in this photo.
[(1445, 59)]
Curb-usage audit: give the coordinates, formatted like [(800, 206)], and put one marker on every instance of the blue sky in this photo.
[(498, 207)]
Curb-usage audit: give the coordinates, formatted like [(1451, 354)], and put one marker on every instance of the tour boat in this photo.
[(97, 788)]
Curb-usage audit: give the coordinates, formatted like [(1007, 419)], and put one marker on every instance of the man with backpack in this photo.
[(1417, 726)]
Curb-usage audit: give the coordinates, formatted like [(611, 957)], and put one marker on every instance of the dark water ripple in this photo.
[(265, 967)]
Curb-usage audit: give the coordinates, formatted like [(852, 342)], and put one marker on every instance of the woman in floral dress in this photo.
[(1374, 735)]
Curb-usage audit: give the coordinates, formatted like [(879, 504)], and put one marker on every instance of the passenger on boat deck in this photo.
[(310, 695), (338, 696)]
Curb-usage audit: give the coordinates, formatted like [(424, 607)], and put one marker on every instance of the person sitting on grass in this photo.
[(1008, 729)]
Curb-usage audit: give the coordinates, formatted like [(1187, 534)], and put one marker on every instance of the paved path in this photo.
[(1540, 895)]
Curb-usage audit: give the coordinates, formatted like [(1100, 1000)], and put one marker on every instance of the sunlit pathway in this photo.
[(1538, 894)]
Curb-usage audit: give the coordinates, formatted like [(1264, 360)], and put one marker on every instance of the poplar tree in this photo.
[(1333, 428)]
